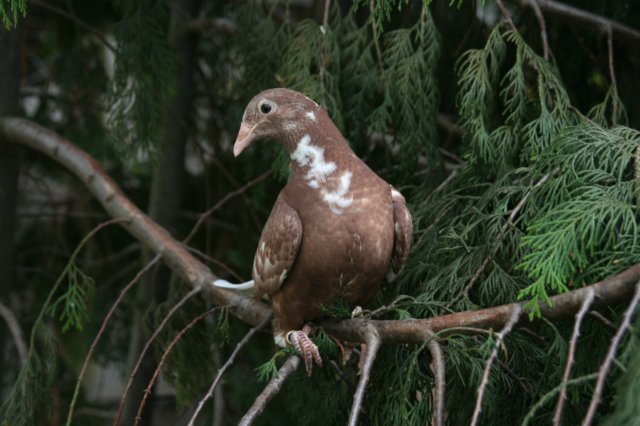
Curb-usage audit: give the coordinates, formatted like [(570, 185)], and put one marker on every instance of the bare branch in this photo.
[(611, 354), (147, 345), (543, 27), (145, 230), (101, 331), (610, 291), (503, 229), (372, 339), (224, 368), (16, 332), (438, 391), (223, 201), (271, 390), (587, 19), (163, 359), (506, 15), (487, 369), (572, 348)]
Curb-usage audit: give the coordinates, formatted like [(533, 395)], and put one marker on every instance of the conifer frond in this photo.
[(144, 75), (73, 301), (9, 11)]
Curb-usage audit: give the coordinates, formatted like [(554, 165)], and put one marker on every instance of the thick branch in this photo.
[(154, 237), (610, 291)]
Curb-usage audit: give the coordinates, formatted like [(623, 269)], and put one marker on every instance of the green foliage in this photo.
[(269, 369), (28, 401), (9, 11), (144, 75), (73, 301)]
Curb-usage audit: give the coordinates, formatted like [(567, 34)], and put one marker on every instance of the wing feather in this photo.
[(277, 249), (403, 231)]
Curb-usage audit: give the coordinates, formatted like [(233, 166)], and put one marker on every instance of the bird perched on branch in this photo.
[(337, 230)]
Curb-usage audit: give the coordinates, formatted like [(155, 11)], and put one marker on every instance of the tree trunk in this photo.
[(10, 156), (167, 184)]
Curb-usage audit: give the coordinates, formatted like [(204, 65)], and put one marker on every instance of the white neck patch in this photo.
[(312, 156)]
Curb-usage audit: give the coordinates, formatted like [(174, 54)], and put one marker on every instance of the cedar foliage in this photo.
[(544, 201)]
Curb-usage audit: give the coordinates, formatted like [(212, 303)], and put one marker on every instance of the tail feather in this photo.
[(241, 286)]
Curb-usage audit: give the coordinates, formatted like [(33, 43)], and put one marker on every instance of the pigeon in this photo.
[(336, 231)]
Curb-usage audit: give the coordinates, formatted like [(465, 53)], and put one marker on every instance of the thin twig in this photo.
[(513, 319), (588, 19), (376, 41), (78, 21), (543, 28), (612, 74), (503, 229), (373, 345), (438, 391), (16, 332), (611, 354), (603, 320), (572, 349), (325, 17), (447, 181), (216, 262), (223, 200), (101, 331), (157, 331), (164, 356), (224, 368), (271, 390), (506, 14)]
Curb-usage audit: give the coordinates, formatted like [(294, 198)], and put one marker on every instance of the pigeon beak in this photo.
[(244, 139)]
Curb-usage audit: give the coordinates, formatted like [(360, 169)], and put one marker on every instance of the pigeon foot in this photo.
[(308, 350)]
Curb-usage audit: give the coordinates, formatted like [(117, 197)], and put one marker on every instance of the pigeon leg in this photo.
[(308, 350)]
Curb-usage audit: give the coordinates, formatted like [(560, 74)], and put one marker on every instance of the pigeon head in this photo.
[(278, 114)]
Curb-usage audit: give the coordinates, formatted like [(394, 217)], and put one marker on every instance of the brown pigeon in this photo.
[(337, 230)]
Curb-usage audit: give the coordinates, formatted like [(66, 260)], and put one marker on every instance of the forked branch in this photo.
[(372, 341)]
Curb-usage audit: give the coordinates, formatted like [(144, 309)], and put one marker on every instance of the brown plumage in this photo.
[(337, 230)]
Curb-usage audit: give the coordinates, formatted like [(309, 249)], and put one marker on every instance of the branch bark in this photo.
[(373, 346)]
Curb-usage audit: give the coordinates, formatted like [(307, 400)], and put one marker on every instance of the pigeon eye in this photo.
[(266, 107)]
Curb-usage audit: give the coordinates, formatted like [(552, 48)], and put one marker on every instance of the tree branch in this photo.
[(373, 345), (610, 291), (149, 233), (570, 356), (224, 368), (611, 355), (271, 390), (513, 319), (438, 391), (16, 332), (587, 19)]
